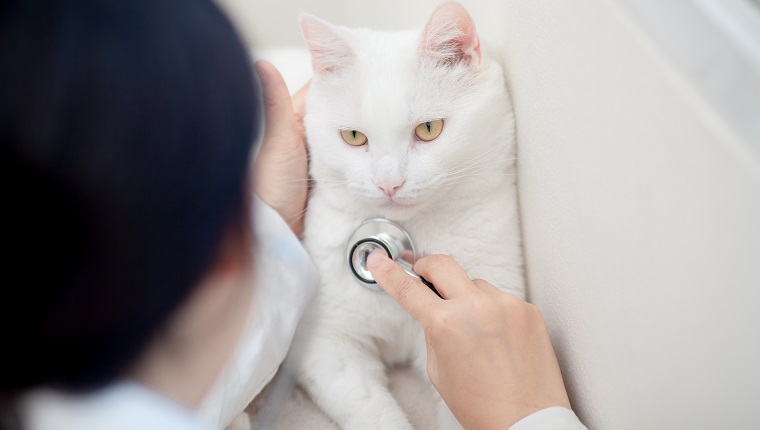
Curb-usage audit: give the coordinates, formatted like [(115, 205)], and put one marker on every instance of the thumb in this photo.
[(279, 118), (411, 294)]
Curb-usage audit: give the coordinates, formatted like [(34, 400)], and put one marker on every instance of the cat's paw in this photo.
[(391, 421)]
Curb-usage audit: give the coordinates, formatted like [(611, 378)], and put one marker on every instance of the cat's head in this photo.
[(398, 121)]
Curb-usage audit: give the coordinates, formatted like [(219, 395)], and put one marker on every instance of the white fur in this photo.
[(458, 197)]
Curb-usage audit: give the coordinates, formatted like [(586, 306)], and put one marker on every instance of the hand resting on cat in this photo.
[(280, 169)]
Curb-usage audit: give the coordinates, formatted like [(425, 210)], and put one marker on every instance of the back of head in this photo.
[(125, 132)]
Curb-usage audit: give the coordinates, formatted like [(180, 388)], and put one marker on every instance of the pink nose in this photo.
[(390, 186)]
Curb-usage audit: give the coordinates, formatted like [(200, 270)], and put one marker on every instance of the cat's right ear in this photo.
[(450, 37), (329, 51)]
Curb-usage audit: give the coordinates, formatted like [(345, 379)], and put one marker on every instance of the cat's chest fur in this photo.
[(481, 234)]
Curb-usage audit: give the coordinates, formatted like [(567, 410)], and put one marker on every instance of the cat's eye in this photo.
[(429, 130), (353, 137)]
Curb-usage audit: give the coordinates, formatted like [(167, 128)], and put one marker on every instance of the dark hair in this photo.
[(125, 130)]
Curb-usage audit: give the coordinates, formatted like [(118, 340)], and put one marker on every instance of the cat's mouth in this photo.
[(398, 203), (390, 202), (395, 203)]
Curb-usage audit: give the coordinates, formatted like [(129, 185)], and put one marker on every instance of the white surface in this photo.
[(716, 46), (267, 24), (641, 222), (294, 63)]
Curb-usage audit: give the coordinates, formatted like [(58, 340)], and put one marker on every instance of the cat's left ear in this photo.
[(329, 51), (449, 36)]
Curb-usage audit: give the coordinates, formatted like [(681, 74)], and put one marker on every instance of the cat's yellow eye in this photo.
[(353, 137), (429, 130)]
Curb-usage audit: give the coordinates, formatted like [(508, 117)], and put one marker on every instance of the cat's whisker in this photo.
[(468, 175), (484, 176), (505, 146), (480, 164), (298, 180), (454, 178), (449, 186), (475, 167), (296, 215), (314, 181), (486, 154)]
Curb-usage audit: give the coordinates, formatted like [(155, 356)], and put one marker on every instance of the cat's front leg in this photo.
[(348, 381), (444, 419)]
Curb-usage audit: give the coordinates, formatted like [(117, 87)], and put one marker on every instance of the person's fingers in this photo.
[(299, 107), (408, 256), (410, 293), (442, 271), (279, 118), (485, 286)]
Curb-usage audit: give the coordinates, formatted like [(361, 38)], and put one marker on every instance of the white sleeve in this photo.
[(554, 418), (285, 281)]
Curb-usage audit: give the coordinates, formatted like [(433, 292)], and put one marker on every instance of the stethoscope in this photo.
[(379, 234)]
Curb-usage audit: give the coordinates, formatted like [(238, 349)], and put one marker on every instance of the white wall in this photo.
[(641, 219), (267, 23)]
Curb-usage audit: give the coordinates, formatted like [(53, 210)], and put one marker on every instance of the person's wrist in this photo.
[(554, 417), (293, 220)]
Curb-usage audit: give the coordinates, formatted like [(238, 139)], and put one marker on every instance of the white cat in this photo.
[(416, 127)]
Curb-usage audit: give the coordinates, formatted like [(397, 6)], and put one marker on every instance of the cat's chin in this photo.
[(398, 210)]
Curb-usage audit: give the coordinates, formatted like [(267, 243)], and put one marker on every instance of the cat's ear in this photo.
[(449, 36), (329, 51)]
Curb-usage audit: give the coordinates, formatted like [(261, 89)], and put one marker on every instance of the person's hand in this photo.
[(488, 352), (281, 176)]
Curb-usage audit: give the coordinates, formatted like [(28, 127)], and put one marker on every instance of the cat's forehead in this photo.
[(387, 88), (386, 59), (384, 46), (389, 81)]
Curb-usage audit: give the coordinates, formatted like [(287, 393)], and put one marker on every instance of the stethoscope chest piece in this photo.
[(383, 235)]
